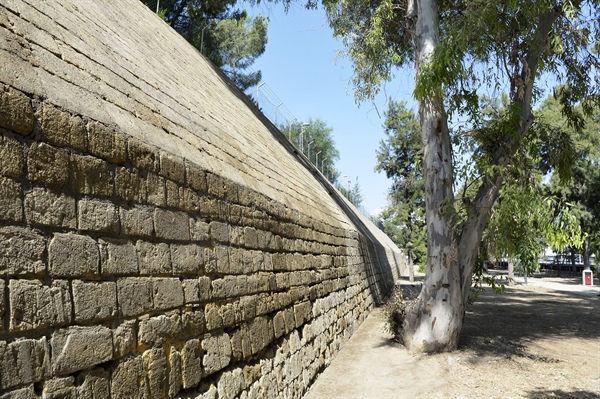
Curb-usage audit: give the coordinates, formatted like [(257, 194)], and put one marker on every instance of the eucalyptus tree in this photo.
[(460, 49)]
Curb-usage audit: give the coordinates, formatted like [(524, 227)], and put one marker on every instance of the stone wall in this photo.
[(158, 236)]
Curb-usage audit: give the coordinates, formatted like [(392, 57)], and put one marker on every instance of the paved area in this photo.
[(370, 359)]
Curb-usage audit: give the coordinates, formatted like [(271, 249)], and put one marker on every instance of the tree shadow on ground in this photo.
[(503, 325), (560, 394)]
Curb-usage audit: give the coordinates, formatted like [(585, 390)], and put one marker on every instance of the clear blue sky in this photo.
[(301, 66)]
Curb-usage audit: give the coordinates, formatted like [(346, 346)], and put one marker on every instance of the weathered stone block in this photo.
[(214, 320), (91, 176), (106, 143), (216, 260), (190, 200), (12, 160), (134, 296), (48, 165), (97, 215), (302, 312), (128, 380), (137, 221), (2, 305), (191, 291), (21, 251), (171, 225), (157, 194), (10, 200), (174, 372), (225, 287), (22, 393), (123, 338), (217, 352), (196, 178), (219, 232), (168, 293), (204, 290), (142, 155), (16, 112), (73, 255), (157, 370), (193, 322), (172, 167), (48, 208), (157, 330), (117, 257), (77, 348), (61, 128), (23, 361), (186, 259), (130, 186), (250, 237), (174, 194), (94, 301), (153, 258), (94, 384), (59, 388), (34, 305), (191, 363), (279, 324)]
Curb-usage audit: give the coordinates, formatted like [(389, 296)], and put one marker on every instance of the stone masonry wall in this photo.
[(160, 244)]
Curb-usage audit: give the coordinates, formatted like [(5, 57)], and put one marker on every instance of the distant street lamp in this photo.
[(157, 5), (308, 152), (323, 165), (317, 159), (302, 136)]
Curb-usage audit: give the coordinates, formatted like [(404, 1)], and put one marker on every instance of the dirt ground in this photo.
[(530, 342)]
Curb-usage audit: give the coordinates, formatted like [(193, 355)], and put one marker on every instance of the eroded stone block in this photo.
[(94, 301), (10, 200), (73, 255), (34, 305), (77, 348), (117, 257), (97, 215), (48, 208), (153, 258), (23, 361), (134, 296), (21, 251)]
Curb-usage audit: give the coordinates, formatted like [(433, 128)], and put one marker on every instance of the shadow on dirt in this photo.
[(560, 394), (502, 325)]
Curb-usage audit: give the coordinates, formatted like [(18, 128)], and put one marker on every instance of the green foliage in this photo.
[(400, 157), (353, 193), (223, 33)]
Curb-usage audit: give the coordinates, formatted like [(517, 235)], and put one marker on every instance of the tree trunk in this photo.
[(511, 272)]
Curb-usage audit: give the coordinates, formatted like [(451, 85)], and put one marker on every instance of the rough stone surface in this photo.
[(22, 251), (10, 200), (34, 305), (106, 143), (171, 225), (73, 255), (186, 259), (168, 293), (48, 165), (137, 221), (127, 380), (23, 361), (95, 384), (117, 257), (97, 215), (11, 156), (153, 259), (16, 113), (134, 296), (94, 301), (77, 348), (45, 207), (217, 352)]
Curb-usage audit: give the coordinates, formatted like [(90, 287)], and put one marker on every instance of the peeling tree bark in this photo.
[(434, 322)]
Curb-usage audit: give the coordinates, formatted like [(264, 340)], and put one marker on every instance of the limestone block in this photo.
[(22, 393), (10, 200), (198, 230), (174, 195), (12, 160), (16, 112), (157, 330), (230, 384), (123, 338), (91, 176), (209, 207), (61, 128), (302, 312), (251, 237), (193, 322), (195, 178), (134, 296), (190, 200), (157, 194), (191, 291), (137, 221), (142, 155), (225, 287), (34, 305), (187, 259), (23, 361), (106, 143), (49, 208), (236, 262), (156, 366), (219, 232), (130, 186), (191, 363), (175, 381), (153, 258), (2, 305), (77, 348), (261, 334), (279, 324), (236, 338), (217, 352), (94, 301), (117, 257), (128, 379), (73, 255), (204, 288), (171, 225), (172, 167), (97, 215), (21, 251), (48, 165), (94, 384), (168, 293), (59, 388)]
